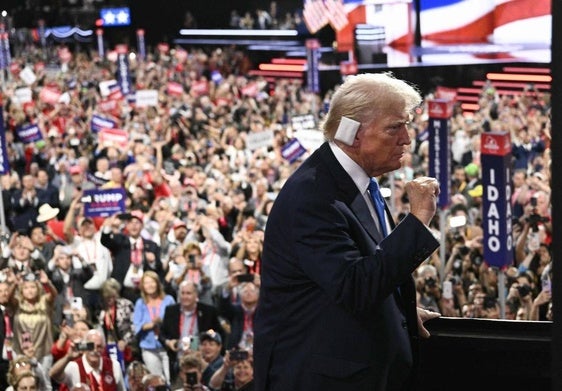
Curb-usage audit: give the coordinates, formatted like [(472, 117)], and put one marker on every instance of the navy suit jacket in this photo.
[(337, 307)]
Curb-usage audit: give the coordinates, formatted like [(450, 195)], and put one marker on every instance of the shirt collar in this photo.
[(354, 170)]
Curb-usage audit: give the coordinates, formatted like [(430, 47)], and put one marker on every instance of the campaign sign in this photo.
[(496, 206), (123, 75), (103, 202), (29, 133), (305, 121), (292, 150), (114, 137), (114, 353), (313, 60), (4, 162), (256, 140), (439, 128), (98, 123), (146, 98)]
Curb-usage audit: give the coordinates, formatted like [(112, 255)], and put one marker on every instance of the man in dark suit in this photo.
[(183, 322), (132, 254), (337, 301)]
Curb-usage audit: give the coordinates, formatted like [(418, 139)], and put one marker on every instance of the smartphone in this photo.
[(245, 278), (191, 258), (76, 303), (239, 355), (447, 290), (194, 343), (191, 378)]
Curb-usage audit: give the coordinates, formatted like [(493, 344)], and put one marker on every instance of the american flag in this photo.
[(315, 15), (336, 14)]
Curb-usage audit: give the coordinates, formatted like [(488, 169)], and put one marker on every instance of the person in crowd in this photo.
[(136, 371), (183, 322), (148, 315), (25, 203), (24, 364), (236, 373), (21, 256), (68, 272), (214, 248), (210, 345), (44, 241), (192, 269), (241, 316), (116, 319), (132, 254), (85, 241), (69, 332), (152, 382), (32, 326), (190, 374), (335, 261), (26, 381), (87, 363)]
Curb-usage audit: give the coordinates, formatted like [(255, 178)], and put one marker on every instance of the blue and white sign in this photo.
[(440, 112), (98, 123), (496, 202), (104, 202), (29, 133), (292, 150), (115, 16), (123, 74)]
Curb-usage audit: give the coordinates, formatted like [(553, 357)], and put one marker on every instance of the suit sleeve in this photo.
[(335, 251)]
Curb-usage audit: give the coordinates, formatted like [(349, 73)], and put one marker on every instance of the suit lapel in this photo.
[(350, 195)]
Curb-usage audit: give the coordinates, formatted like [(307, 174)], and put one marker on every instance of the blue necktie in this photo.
[(378, 202)]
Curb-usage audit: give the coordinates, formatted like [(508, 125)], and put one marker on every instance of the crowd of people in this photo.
[(162, 294)]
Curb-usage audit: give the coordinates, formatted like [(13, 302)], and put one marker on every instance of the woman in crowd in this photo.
[(147, 317), (26, 381), (22, 365), (32, 320), (116, 319), (235, 375)]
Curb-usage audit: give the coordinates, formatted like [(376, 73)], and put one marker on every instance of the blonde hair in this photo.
[(159, 287), (367, 96)]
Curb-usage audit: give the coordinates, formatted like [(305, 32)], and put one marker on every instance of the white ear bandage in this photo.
[(347, 130)]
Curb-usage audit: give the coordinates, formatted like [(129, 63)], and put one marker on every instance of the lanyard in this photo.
[(191, 324)]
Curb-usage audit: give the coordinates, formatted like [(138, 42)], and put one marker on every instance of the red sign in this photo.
[(446, 93), (440, 108), (115, 137), (163, 47), (175, 88), (200, 87), (498, 144), (49, 95)]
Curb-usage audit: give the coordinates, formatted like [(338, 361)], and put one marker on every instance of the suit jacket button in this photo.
[(404, 324)]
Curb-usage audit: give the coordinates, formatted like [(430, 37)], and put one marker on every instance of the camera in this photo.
[(430, 282), (191, 258), (84, 346), (523, 290), (464, 250), (239, 355), (245, 278)]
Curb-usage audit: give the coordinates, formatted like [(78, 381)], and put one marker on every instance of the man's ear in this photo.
[(347, 131)]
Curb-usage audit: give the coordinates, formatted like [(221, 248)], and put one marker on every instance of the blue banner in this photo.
[(496, 201), (4, 162), (29, 133), (123, 75), (313, 59), (103, 202), (114, 353), (98, 123), (439, 130)]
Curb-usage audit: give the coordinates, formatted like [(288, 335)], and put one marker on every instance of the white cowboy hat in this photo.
[(47, 212)]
